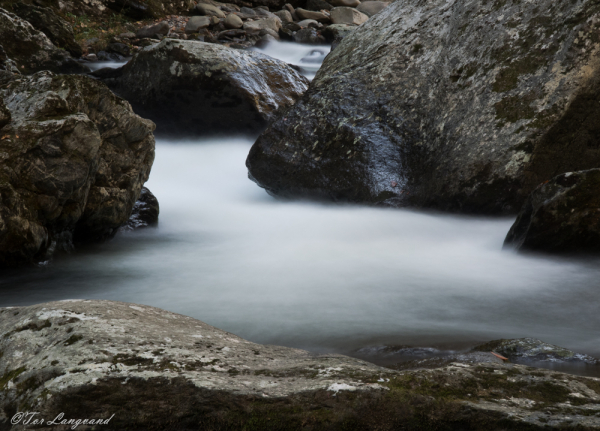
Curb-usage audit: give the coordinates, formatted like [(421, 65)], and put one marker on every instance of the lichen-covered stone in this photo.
[(154, 369), (463, 106), (190, 87), (31, 49), (560, 216), (74, 159), (48, 22)]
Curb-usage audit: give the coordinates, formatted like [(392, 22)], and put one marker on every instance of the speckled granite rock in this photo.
[(74, 160), (191, 88), (153, 369), (560, 216), (463, 106)]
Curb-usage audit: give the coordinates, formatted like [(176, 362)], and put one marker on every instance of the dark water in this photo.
[(325, 278)]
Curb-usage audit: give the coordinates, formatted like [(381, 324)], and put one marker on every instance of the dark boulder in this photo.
[(145, 211), (450, 105), (48, 22), (75, 158), (560, 216), (119, 48), (31, 50), (190, 87)]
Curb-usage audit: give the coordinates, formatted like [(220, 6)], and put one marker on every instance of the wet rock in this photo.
[(209, 10), (150, 366), (309, 36), (145, 211), (151, 31), (304, 14), (196, 23), (347, 15), (345, 3), (336, 32), (272, 23), (370, 8), (247, 11), (75, 159), (48, 22), (318, 5), (119, 48), (31, 50), (192, 87), (284, 16), (533, 350), (560, 216), (457, 118), (233, 22), (308, 23)]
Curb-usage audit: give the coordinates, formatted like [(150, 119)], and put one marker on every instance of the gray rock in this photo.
[(192, 87), (284, 16), (304, 14), (272, 23), (233, 22), (145, 211), (196, 23), (345, 3), (48, 22), (318, 5), (209, 10), (347, 15), (153, 30), (560, 216), (469, 120), (370, 8), (75, 159), (268, 31), (533, 350), (309, 23), (127, 35), (247, 11), (150, 366), (308, 36), (336, 32), (31, 50), (119, 48)]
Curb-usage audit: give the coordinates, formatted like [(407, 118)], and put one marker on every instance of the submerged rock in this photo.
[(560, 216), (31, 50), (147, 368), (75, 158), (421, 107), (190, 87), (48, 22), (534, 350)]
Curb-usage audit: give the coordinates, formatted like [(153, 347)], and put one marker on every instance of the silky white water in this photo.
[(321, 277)]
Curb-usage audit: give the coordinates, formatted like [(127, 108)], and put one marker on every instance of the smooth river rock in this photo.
[(370, 8), (147, 368), (74, 159), (458, 106), (153, 30), (191, 88), (347, 15), (560, 216)]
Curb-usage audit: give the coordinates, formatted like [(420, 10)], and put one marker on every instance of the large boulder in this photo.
[(48, 22), (190, 87), (420, 106), (74, 159), (30, 49), (139, 367), (560, 216)]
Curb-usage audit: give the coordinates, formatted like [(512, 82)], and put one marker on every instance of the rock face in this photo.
[(190, 87), (31, 50), (420, 107), (146, 368), (57, 29), (75, 158), (560, 216)]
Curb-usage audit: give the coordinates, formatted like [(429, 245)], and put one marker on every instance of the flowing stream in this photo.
[(328, 278)]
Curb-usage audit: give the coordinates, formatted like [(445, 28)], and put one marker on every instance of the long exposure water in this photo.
[(321, 277)]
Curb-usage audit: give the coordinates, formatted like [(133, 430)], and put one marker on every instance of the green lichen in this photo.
[(10, 375)]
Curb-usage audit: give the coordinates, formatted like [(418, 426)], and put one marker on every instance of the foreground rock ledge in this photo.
[(154, 369)]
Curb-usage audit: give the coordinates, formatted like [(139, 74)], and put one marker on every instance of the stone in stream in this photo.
[(209, 10), (196, 23), (560, 216), (308, 23), (336, 32), (284, 16), (318, 5), (31, 50), (459, 119), (191, 87), (233, 22), (48, 22), (145, 211), (347, 15), (309, 36), (260, 24), (75, 158), (370, 8), (147, 368), (161, 28), (308, 14)]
